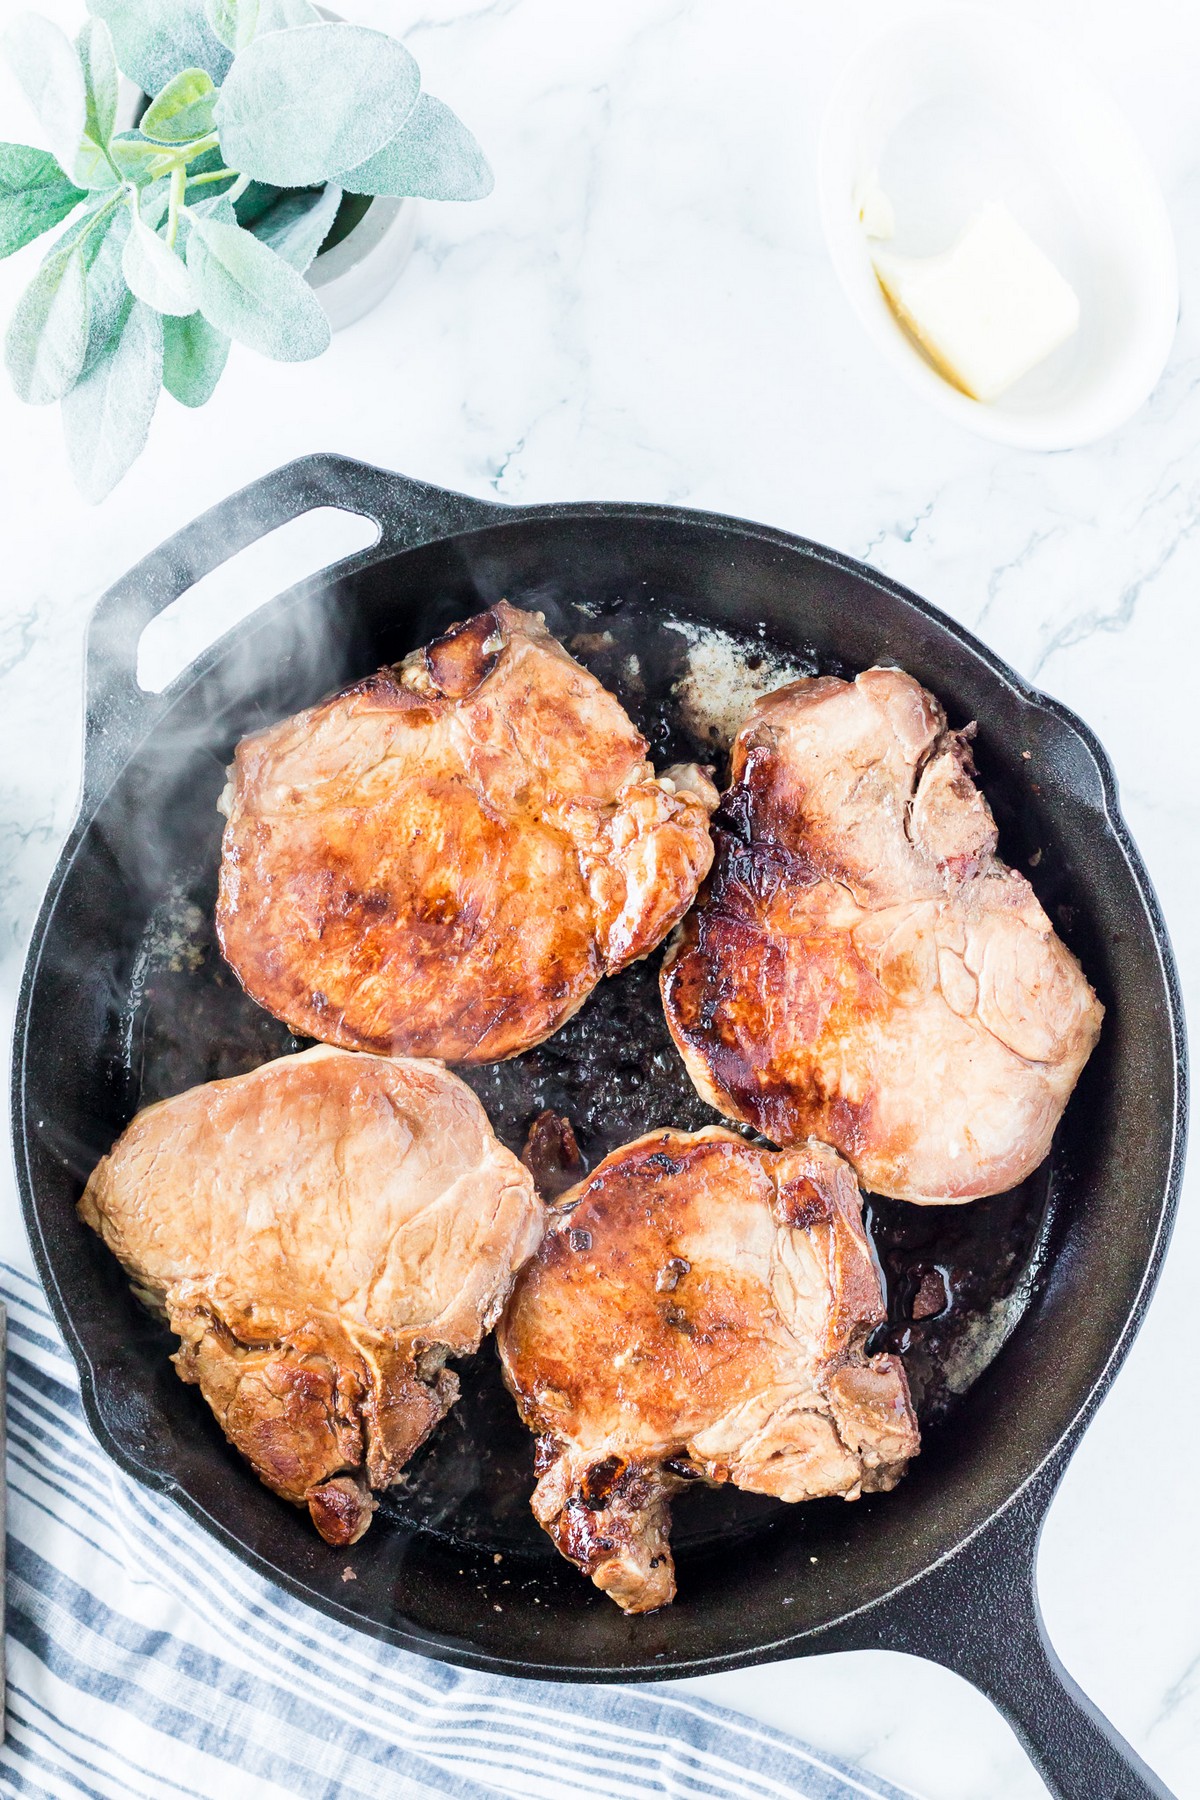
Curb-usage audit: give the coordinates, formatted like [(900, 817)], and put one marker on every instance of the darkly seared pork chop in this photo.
[(445, 859), (320, 1234), (862, 967), (698, 1309)]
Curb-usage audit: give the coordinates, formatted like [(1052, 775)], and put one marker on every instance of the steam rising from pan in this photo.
[(232, 592)]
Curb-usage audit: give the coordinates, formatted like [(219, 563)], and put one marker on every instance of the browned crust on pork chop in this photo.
[(447, 857), (698, 1309), (861, 966)]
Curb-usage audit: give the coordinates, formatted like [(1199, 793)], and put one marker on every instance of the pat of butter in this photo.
[(986, 311)]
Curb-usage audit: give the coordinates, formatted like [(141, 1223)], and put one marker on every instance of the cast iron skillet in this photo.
[(122, 999)]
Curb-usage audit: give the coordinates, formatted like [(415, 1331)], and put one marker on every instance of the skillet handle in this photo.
[(978, 1614), (408, 513)]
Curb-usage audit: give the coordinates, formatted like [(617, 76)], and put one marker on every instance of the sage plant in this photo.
[(196, 225)]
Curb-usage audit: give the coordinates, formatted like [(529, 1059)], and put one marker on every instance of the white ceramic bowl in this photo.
[(961, 106)]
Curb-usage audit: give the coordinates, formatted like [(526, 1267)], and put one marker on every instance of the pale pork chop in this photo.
[(321, 1235), (862, 967), (698, 1309), (447, 857)]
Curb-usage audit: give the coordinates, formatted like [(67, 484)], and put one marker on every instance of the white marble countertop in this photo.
[(644, 310)]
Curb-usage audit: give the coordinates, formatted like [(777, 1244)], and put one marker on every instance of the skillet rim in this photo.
[(488, 517)]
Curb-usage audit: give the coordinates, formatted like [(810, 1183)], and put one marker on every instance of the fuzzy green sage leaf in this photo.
[(47, 337), (217, 207), (299, 105), (156, 204), (157, 38), (107, 289), (44, 61), (298, 224), (107, 415), (182, 111), (100, 232), (35, 195), (97, 209), (194, 354), (251, 294), (257, 199), (154, 273), (52, 75), (234, 21), (238, 22), (434, 156), (98, 59), (281, 15), (93, 168)]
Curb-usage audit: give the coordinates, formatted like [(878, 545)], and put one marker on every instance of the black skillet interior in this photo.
[(125, 999)]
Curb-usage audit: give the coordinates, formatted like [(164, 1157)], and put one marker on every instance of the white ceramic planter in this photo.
[(354, 276)]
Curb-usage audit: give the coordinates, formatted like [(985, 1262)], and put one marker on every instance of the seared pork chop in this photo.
[(862, 967), (698, 1309), (445, 859), (321, 1235)]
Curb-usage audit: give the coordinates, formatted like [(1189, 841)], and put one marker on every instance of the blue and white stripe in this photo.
[(144, 1660)]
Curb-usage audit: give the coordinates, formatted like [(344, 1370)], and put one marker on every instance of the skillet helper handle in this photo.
[(408, 513), (978, 1614)]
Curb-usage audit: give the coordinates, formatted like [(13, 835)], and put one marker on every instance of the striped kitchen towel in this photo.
[(144, 1660)]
